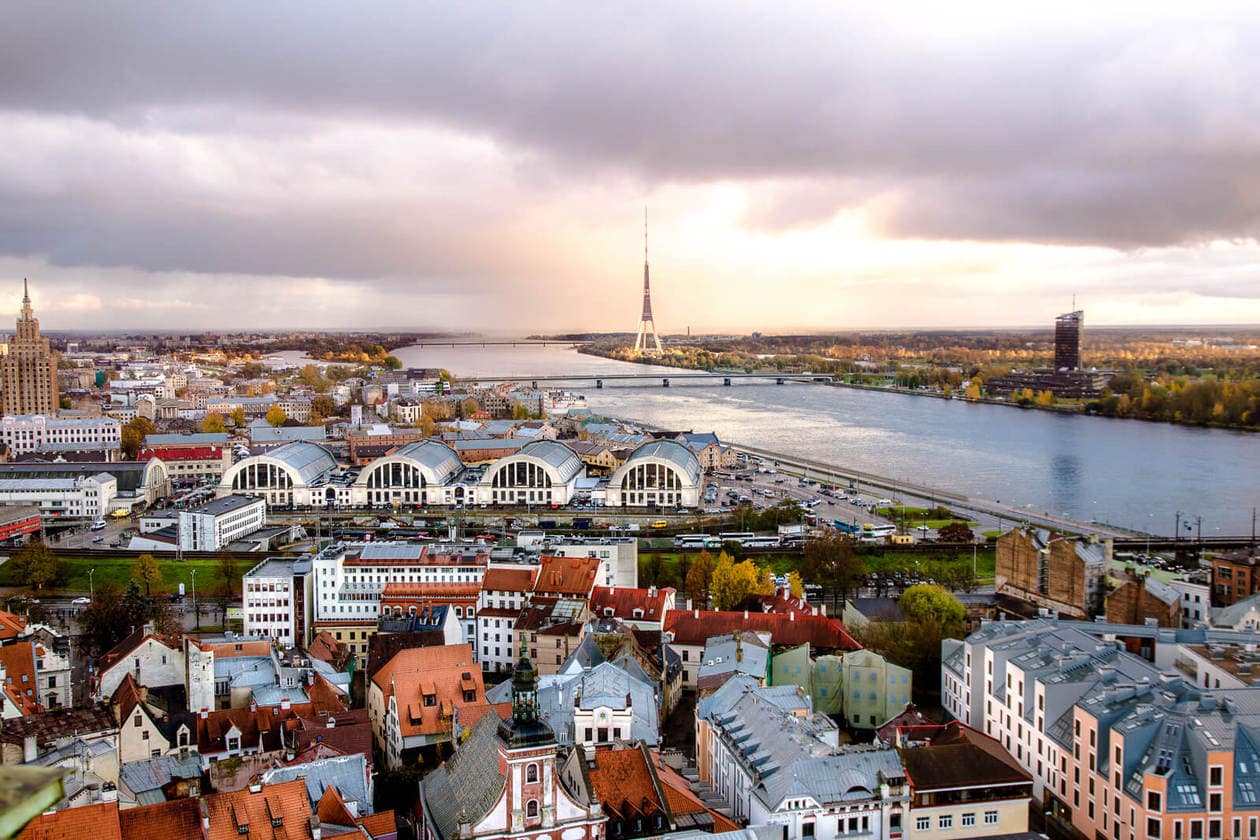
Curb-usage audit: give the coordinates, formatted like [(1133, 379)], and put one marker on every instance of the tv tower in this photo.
[(647, 341)]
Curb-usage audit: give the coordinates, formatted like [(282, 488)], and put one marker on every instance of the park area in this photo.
[(72, 574)]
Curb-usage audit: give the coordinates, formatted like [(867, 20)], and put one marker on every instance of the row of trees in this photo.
[(1210, 401)]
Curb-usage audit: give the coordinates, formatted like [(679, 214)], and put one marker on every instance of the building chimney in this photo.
[(791, 615), (745, 615), (253, 705), (285, 705), (316, 830), (109, 792), (205, 713), (255, 787)]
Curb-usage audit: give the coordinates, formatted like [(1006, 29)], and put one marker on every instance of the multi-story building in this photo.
[(348, 583), (81, 497), (860, 685), (218, 522), (276, 600), (1067, 340), (410, 599), (1052, 571), (618, 557), (136, 483), (1234, 576), (774, 761), (504, 591), (1118, 746), (28, 368), (25, 433), (1140, 597), (190, 456)]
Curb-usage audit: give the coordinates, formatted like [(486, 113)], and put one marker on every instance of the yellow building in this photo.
[(28, 368)]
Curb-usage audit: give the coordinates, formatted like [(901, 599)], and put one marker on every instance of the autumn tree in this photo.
[(146, 573), (213, 424), (795, 585), (35, 565), (700, 578), (955, 532), (733, 582), (932, 615), (133, 434), (930, 604), (830, 560), (313, 379), (276, 416), (238, 416)]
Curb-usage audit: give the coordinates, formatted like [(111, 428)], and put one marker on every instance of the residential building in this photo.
[(410, 599), (1053, 571), (742, 652), (861, 685), (504, 781), (276, 600), (28, 368), (146, 731), (962, 784), (84, 497), (1234, 576), (414, 700), (504, 591), (618, 556), (1139, 597), (774, 761), (687, 632), (642, 608), (1240, 615), (1117, 745), (1196, 600), (24, 433)]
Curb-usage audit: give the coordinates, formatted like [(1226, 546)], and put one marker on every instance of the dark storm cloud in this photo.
[(1127, 132)]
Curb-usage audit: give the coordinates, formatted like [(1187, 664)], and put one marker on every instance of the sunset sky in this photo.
[(485, 166)]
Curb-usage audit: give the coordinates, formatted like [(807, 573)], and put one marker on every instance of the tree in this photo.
[(112, 616), (146, 573), (652, 568), (955, 532), (831, 560), (733, 582), (929, 604), (699, 578), (213, 424), (322, 406), (276, 416), (35, 565), (225, 575), (238, 416), (133, 434), (393, 363), (795, 584), (520, 412), (313, 379)]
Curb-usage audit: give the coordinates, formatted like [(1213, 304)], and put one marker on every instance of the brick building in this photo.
[(1234, 576), (1053, 571), (1140, 597)]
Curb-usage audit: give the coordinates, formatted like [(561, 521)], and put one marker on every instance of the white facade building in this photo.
[(661, 473), (276, 594), (24, 433), (618, 558), (86, 497), (215, 524)]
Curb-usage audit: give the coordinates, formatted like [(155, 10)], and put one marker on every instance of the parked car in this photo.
[(78, 602)]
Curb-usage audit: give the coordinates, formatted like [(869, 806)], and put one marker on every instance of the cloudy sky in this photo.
[(486, 166)]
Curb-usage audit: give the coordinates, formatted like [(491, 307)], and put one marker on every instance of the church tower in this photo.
[(28, 368), (647, 341)]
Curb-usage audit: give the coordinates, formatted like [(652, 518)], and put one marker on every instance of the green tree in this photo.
[(393, 363), (310, 376), (276, 416), (35, 565), (930, 604), (213, 424), (133, 434), (111, 616), (520, 412), (699, 578), (734, 582), (652, 565), (146, 573)]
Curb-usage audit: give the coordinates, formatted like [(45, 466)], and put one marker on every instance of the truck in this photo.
[(794, 531)]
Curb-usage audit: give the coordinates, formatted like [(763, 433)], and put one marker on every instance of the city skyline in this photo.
[(818, 169)]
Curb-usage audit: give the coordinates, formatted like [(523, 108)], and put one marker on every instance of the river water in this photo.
[(1124, 472)]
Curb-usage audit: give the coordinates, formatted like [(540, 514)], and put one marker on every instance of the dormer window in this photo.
[(430, 699)]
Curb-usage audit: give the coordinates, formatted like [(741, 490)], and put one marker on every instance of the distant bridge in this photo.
[(598, 379), (510, 342)]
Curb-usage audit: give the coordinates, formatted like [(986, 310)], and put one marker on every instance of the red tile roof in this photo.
[(11, 626), (509, 580), (229, 813), (681, 799), (572, 576), (163, 821), (623, 601), (694, 627), (444, 673), (99, 822), (18, 661), (622, 781)]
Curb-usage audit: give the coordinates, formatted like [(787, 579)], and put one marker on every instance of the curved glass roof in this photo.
[(555, 454), (308, 460), (673, 452), (439, 460)]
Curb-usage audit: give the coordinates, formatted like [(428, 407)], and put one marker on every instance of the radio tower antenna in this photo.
[(646, 340)]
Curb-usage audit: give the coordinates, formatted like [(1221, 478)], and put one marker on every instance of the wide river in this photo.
[(1124, 472)]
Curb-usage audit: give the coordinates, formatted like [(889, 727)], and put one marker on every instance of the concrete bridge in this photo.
[(598, 379)]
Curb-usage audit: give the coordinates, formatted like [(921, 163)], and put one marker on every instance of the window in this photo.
[(531, 808), (968, 820), (923, 823), (1153, 826), (807, 829), (531, 773), (990, 817), (1215, 776), (945, 821)]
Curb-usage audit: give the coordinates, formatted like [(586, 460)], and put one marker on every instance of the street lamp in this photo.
[(91, 588), (196, 612)]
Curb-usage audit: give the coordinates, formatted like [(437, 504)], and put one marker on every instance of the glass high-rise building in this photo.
[(1067, 340)]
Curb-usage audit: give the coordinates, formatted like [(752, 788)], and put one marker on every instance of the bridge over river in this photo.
[(598, 379)]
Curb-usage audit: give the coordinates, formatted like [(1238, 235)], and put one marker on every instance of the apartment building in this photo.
[(26, 433)]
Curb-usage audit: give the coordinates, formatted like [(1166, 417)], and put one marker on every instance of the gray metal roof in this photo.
[(129, 474), (201, 439), (347, 773), (850, 776), (308, 460), (226, 504), (469, 783), (152, 774), (437, 459), (556, 454), (673, 452)]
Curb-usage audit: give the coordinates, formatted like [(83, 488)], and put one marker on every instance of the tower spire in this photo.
[(646, 340)]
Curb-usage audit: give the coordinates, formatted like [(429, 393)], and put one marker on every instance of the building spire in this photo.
[(646, 340), (26, 291)]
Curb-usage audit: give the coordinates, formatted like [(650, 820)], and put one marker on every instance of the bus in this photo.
[(869, 530), (761, 542), (846, 527), (736, 536), (697, 541)]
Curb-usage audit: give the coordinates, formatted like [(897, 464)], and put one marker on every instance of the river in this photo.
[(1124, 472)]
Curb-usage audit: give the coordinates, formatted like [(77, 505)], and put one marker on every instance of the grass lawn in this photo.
[(74, 574), (914, 517)]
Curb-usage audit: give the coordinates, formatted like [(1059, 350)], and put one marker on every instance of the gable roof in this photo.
[(100, 822), (177, 818), (18, 661), (959, 756), (567, 576), (499, 579), (695, 627), (624, 782), (11, 626), (623, 601), (251, 815), (468, 783), (443, 673)]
